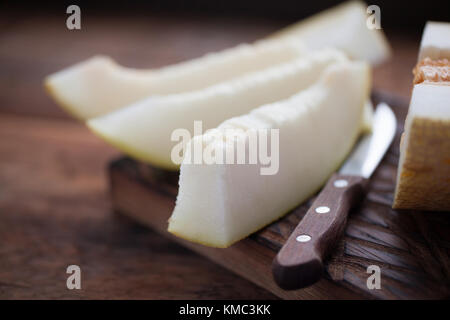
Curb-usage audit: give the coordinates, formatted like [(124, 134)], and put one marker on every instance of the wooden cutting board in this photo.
[(410, 247)]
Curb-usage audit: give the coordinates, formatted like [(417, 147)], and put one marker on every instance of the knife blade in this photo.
[(299, 263)]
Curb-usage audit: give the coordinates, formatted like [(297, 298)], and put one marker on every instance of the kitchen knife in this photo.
[(299, 263)]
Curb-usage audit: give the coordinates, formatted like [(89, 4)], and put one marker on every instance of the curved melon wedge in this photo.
[(99, 85), (143, 130), (343, 27), (218, 205)]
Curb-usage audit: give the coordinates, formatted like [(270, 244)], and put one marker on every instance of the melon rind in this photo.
[(423, 178)]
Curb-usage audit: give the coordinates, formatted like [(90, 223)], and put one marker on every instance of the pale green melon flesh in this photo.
[(423, 176), (99, 85), (435, 42), (218, 205), (343, 27), (143, 130)]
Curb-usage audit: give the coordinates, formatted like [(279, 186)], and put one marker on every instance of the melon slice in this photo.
[(423, 180), (343, 27), (219, 204), (423, 176), (143, 130), (99, 85)]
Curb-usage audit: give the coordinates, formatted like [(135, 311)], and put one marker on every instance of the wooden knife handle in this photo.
[(299, 263)]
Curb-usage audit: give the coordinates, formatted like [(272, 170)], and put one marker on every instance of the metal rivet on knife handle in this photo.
[(340, 183), (295, 266), (303, 238), (322, 209)]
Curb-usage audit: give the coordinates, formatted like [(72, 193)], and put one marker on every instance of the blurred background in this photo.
[(35, 42), (54, 208)]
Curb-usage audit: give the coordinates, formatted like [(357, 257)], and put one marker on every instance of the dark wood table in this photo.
[(54, 203)]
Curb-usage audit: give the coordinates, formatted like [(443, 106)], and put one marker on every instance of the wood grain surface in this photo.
[(55, 211), (54, 203), (410, 247)]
